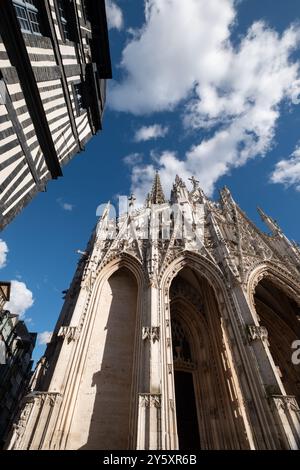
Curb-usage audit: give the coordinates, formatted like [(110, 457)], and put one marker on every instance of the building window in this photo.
[(28, 16), (64, 20), (79, 98), (86, 9)]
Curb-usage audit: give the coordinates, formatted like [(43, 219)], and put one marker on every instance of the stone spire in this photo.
[(157, 195), (271, 223)]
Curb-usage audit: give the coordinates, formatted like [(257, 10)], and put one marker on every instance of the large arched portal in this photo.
[(280, 315), (207, 410), (103, 410)]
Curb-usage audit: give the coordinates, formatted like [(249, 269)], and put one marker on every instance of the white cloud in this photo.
[(184, 54), (66, 206), (114, 15), (3, 253), (287, 171), (44, 337), (150, 132), (133, 159), (21, 298), (180, 42)]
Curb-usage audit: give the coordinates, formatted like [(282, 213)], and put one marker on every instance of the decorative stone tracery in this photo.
[(195, 314)]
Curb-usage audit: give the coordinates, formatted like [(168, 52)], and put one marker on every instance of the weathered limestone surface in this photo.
[(183, 289)]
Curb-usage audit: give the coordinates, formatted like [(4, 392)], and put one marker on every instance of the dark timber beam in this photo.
[(18, 55)]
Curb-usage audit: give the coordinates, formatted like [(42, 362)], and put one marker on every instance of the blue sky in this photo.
[(219, 97)]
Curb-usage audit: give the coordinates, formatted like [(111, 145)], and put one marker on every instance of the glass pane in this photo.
[(22, 17), (28, 17), (78, 96), (63, 19), (34, 21)]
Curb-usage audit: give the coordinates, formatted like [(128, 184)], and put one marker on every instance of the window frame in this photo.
[(29, 8), (83, 108), (65, 11), (86, 11), (63, 20)]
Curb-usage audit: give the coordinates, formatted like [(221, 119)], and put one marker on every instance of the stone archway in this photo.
[(102, 414), (280, 315), (204, 387)]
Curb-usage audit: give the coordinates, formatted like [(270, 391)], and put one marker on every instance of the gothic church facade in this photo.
[(177, 332)]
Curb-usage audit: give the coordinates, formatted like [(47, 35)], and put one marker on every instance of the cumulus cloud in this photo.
[(114, 15), (165, 58), (184, 54), (66, 206), (150, 132), (133, 159), (44, 337), (21, 298), (287, 171), (3, 253)]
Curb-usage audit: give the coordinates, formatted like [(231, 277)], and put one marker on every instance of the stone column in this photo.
[(169, 424), (263, 377), (149, 415), (288, 419)]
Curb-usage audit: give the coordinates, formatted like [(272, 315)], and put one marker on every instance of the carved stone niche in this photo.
[(70, 333), (286, 403), (257, 333), (148, 400), (151, 333)]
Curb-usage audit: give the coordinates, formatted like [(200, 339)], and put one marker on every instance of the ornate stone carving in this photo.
[(151, 333), (39, 372), (184, 289), (148, 400), (181, 348), (70, 333), (286, 403), (32, 400)]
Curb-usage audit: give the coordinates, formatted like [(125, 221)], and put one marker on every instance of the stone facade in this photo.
[(176, 332)]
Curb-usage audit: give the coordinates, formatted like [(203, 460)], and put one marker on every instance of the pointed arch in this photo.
[(225, 425), (279, 275), (274, 296), (117, 261), (110, 345)]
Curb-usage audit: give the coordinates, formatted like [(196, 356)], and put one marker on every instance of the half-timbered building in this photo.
[(54, 62)]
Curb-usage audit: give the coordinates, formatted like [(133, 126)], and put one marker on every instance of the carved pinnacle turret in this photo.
[(271, 223), (157, 195)]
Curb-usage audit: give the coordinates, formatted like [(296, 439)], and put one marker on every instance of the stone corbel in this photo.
[(286, 403), (257, 333), (148, 400), (71, 333), (151, 333)]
